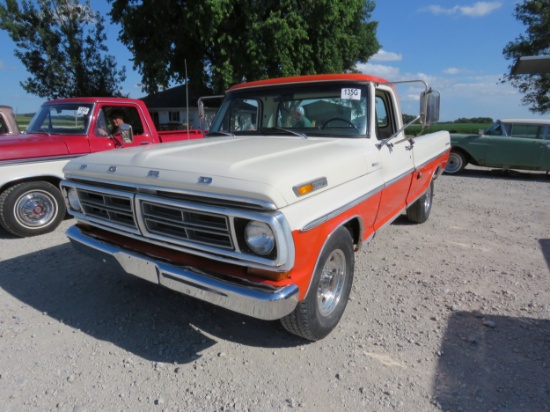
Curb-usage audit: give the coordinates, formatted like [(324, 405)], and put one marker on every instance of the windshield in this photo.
[(332, 109), (66, 118)]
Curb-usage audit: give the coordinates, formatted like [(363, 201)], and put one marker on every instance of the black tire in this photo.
[(321, 310), (419, 211), (31, 208), (456, 163)]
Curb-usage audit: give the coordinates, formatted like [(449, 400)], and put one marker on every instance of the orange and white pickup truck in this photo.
[(263, 216)]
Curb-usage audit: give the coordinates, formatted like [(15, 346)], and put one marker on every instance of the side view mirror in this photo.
[(201, 109), (429, 107), (126, 133)]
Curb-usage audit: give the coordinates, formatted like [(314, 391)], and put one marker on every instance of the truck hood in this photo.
[(259, 167), (25, 146)]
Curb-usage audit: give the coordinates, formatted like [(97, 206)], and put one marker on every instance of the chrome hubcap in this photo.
[(35, 209), (454, 163), (331, 283)]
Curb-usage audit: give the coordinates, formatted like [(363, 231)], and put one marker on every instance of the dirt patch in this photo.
[(450, 315)]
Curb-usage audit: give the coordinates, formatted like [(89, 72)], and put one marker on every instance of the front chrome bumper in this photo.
[(260, 303)]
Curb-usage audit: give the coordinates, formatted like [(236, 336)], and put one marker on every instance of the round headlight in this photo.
[(259, 238), (72, 198)]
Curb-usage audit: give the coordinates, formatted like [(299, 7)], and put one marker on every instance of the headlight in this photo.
[(72, 199), (259, 238)]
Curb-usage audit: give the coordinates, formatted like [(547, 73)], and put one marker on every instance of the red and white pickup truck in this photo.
[(264, 215), (8, 124), (31, 163)]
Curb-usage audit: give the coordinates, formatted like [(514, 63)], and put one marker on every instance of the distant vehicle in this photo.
[(522, 144), (8, 125), (31, 163)]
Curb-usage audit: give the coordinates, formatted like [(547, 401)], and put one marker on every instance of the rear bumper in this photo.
[(253, 300)]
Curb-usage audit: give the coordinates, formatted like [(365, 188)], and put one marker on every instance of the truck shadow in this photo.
[(494, 363), (503, 174), (545, 247), (142, 318)]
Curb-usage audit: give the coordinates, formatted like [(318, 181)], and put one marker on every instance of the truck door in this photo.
[(397, 160), (105, 135)]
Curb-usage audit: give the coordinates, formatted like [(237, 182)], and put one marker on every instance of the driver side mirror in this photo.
[(126, 133), (429, 107)]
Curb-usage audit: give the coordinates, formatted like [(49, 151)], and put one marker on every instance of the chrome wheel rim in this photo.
[(35, 209), (454, 163), (428, 199), (331, 283)]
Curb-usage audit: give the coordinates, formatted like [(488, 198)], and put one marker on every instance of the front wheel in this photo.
[(419, 211), (31, 208), (456, 163), (319, 313)]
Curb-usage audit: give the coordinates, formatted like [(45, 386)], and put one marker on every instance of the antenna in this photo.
[(186, 99)]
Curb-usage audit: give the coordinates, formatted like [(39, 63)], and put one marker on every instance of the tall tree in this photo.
[(535, 14), (226, 41), (61, 43)]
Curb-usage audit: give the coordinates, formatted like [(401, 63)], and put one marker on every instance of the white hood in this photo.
[(265, 168)]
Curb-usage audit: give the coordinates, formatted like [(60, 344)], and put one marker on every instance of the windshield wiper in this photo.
[(294, 132), (40, 131), (220, 133)]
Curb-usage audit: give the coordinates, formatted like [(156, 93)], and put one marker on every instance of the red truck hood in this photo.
[(25, 146)]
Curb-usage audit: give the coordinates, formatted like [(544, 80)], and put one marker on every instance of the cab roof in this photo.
[(310, 79)]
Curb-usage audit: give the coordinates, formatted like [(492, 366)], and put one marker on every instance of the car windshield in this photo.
[(66, 118), (332, 109)]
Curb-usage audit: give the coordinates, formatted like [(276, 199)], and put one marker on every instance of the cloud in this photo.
[(384, 56), (466, 93), (457, 70), (479, 9), (3, 65)]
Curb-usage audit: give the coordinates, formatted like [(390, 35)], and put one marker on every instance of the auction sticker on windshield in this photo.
[(351, 94)]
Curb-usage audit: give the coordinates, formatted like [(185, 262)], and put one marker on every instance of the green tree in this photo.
[(535, 14), (227, 41), (61, 43)]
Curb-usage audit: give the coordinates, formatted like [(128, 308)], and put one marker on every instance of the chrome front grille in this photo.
[(184, 223), (108, 207), (209, 226)]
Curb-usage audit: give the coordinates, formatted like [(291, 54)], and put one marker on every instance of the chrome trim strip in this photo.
[(431, 159), (40, 159), (313, 224), (256, 300)]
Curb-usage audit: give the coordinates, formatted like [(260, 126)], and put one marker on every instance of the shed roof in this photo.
[(532, 65)]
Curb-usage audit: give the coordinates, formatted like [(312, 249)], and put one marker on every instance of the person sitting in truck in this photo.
[(300, 118), (117, 119)]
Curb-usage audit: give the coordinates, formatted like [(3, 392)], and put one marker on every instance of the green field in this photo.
[(23, 120), (468, 128)]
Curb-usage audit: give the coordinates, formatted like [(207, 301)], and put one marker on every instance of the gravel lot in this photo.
[(451, 315)]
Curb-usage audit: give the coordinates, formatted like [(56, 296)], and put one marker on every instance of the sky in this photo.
[(455, 46)]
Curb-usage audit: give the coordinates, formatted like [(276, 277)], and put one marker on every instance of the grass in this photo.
[(23, 120), (467, 128)]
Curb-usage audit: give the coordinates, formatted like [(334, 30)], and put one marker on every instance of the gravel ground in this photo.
[(451, 315)]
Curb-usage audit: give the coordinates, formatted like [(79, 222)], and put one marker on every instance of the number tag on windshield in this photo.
[(351, 94), (83, 111)]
